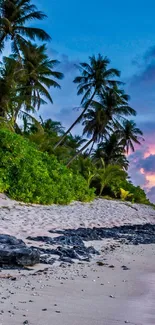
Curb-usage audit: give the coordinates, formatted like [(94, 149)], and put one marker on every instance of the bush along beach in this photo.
[(40, 161)]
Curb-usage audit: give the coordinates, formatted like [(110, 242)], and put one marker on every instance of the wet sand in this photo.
[(86, 294)]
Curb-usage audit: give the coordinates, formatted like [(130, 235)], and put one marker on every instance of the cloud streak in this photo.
[(146, 69)]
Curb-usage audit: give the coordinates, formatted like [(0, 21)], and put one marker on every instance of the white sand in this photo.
[(31, 220), (80, 294)]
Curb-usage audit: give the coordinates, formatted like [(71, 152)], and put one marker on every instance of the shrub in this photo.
[(137, 194), (124, 195), (28, 175)]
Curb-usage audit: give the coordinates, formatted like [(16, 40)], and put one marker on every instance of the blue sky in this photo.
[(125, 32)]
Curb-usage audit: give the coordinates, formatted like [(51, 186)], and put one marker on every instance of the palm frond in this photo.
[(32, 33)]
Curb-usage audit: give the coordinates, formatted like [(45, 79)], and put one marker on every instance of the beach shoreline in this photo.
[(115, 287)]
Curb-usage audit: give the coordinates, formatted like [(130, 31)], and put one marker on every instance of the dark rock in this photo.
[(65, 252), (14, 252), (125, 268), (66, 260), (133, 234), (71, 241)]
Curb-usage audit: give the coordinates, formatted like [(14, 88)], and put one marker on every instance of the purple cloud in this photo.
[(151, 194), (146, 69)]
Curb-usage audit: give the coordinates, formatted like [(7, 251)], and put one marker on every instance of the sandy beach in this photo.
[(115, 287)]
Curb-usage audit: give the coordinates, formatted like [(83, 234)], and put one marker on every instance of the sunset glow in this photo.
[(150, 151), (150, 178)]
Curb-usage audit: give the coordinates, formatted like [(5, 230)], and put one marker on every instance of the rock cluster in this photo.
[(133, 234), (70, 247), (69, 244), (71, 241), (14, 252)]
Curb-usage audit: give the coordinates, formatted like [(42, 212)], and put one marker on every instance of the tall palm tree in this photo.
[(95, 78), (130, 134), (14, 14), (39, 75), (111, 108)]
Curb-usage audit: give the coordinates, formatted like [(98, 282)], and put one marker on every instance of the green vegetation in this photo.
[(30, 175), (40, 162)]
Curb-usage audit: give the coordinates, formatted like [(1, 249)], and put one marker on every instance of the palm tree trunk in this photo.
[(78, 153), (101, 190), (91, 147), (76, 121), (2, 39)]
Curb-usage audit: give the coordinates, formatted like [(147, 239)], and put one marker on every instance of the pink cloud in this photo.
[(142, 166)]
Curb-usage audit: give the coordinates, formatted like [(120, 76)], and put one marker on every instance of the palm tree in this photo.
[(111, 150), (75, 141), (52, 127), (24, 84), (130, 134), (8, 73), (14, 14), (95, 123), (106, 174), (105, 114), (95, 78), (39, 75)]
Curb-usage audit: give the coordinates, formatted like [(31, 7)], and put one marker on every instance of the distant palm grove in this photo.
[(40, 161)]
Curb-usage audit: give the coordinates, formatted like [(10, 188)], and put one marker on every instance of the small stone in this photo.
[(111, 296), (44, 309), (125, 268), (57, 311), (100, 263), (13, 278)]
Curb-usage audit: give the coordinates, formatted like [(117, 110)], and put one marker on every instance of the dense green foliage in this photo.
[(29, 175), (39, 161)]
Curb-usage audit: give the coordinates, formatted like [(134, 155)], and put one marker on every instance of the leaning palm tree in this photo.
[(95, 124), (104, 115), (14, 14), (39, 75), (95, 78), (130, 134)]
